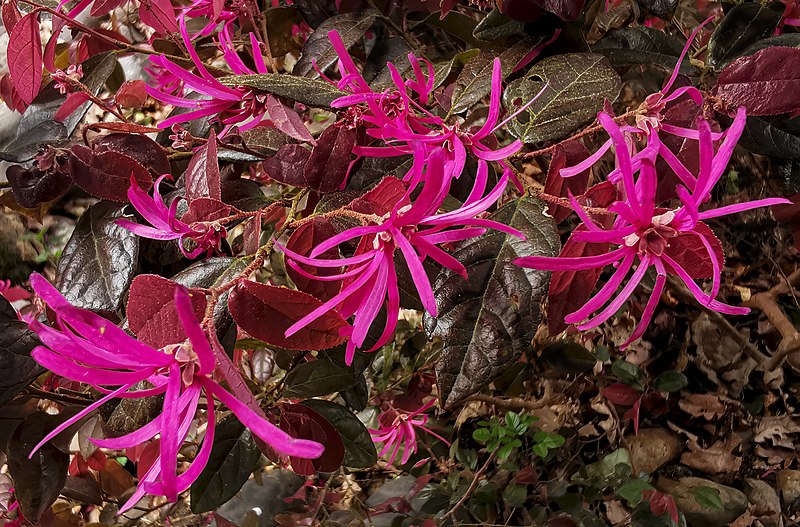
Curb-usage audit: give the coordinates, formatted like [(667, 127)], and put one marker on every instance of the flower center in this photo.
[(654, 239)]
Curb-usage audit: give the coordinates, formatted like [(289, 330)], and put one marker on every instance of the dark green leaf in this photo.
[(778, 137), (37, 480), (394, 50), (514, 495), (234, 456), (670, 381), (475, 80), (627, 373), (577, 85), (742, 26), (486, 323), (442, 70), (569, 356), (311, 92), (642, 45), (707, 497), (791, 40), (495, 26), (660, 8), (359, 450), (99, 261), (17, 368), (27, 145), (318, 378), (317, 49)]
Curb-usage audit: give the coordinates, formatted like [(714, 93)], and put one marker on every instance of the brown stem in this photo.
[(472, 486), (511, 403)]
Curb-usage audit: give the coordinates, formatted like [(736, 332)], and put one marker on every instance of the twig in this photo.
[(516, 402), (767, 303), (471, 488)]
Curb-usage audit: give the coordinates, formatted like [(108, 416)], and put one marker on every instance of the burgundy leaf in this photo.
[(25, 56), (302, 241), (32, 187), (381, 198), (159, 14), (103, 7), (267, 311), (634, 413), (766, 83), (326, 169), (202, 176), (565, 155), (144, 150), (106, 175), (206, 209), (690, 253), (9, 94), (10, 14), (72, 103), (287, 121), (302, 422), (569, 290), (288, 165), (621, 394), (151, 310), (132, 94)]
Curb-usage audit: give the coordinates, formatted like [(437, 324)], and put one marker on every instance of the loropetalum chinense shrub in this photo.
[(290, 195)]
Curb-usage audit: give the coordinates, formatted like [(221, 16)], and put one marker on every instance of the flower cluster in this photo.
[(207, 236), (398, 428), (85, 347), (399, 121)]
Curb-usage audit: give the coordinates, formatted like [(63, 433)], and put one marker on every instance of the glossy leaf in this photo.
[(267, 311), (742, 26), (486, 323), (577, 85), (17, 368), (318, 49), (25, 56), (764, 83), (32, 187), (234, 456), (151, 311), (660, 8), (302, 241), (38, 480), (306, 423), (311, 92), (144, 150), (318, 378), (107, 175), (359, 450), (202, 176), (98, 263)]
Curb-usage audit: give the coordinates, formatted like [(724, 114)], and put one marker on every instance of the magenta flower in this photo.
[(652, 236), (243, 106), (165, 226), (87, 348), (398, 428), (416, 230)]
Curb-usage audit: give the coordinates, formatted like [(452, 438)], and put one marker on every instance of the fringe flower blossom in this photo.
[(653, 236), (87, 348), (398, 428), (165, 226)]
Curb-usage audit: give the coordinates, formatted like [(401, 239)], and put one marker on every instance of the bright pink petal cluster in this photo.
[(647, 236), (87, 348), (398, 428), (207, 236)]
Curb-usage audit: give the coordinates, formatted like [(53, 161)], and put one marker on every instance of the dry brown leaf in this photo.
[(717, 459), (776, 430), (705, 405)]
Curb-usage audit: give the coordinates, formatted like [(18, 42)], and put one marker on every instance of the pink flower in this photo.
[(88, 348), (399, 428), (655, 237), (165, 226), (243, 106), (416, 230)]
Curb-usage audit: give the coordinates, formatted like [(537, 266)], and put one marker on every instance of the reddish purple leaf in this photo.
[(73, 101), (326, 169), (766, 83), (381, 198), (103, 7), (633, 413), (690, 253), (565, 155), (202, 176), (569, 290), (621, 394), (10, 14), (302, 422), (132, 94), (158, 14), (206, 209), (288, 165), (151, 310), (267, 311), (106, 175), (287, 121), (302, 241), (25, 56), (144, 150), (9, 94)]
